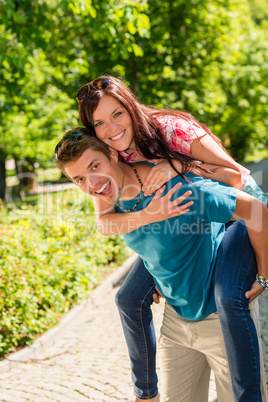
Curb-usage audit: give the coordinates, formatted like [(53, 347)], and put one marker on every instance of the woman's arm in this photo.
[(219, 164), (207, 150), (189, 138), (163, 172), (223, 174), (109, 222)]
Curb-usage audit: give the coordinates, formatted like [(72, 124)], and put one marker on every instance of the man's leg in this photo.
[(134, 300), (185, 347), (211, 343), (234, 274)]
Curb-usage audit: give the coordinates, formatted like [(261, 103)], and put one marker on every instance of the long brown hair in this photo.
[(147, 135)]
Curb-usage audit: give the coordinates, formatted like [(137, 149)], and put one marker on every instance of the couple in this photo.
[(186, 255)]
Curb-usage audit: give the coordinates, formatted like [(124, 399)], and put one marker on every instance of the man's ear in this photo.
[(114, 154)]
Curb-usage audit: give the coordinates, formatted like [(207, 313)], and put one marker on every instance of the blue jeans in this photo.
[(133, 300), (234, 273)]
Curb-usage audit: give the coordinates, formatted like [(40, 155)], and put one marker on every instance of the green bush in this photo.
[(51, 258)]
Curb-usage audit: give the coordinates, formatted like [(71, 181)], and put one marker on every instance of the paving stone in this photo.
[(89, 363)]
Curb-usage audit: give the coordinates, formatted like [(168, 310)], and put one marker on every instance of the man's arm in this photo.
[(255, 215)]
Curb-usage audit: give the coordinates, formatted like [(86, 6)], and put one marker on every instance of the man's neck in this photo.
[(131, 186)]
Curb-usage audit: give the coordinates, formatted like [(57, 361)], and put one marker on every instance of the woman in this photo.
[(140, 133)]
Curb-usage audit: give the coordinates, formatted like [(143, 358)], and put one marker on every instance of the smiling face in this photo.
[(113, 124), (98, 176)]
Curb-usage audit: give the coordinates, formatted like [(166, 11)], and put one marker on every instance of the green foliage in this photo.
[(194, 55), (211, 60), (259, 10), (51, 258), (207, 57), (244, 124)]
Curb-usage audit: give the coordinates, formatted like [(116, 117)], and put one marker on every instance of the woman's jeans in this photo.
[(133, 300), (235, 272)]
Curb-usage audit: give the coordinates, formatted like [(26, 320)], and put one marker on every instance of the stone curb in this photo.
[(68, 321)]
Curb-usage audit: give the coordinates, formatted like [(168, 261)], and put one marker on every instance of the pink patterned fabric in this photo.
[(128, 157), (179, 134)]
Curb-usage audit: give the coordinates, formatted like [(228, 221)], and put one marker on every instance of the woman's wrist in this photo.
[(262, 281)]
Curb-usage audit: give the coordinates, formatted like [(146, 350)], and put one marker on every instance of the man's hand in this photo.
[(157, 296), (254, 292), (163, 208)]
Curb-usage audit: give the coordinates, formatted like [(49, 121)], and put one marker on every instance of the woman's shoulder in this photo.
[(175, 125), (162, 118), (171, 122)]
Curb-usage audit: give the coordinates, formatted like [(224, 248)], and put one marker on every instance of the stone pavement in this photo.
[(89, 363)]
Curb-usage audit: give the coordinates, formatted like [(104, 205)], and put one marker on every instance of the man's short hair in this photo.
[(74, 143)]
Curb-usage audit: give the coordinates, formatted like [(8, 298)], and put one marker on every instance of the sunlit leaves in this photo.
[(51, 258), (193, 55)]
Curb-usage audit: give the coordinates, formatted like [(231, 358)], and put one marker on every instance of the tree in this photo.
[(244, 124), (48, 46), (193, 55), (33, 109)]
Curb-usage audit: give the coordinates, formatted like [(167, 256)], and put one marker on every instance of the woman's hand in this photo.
[(157, 296), (159, 175), (254, 292), (162, 208)]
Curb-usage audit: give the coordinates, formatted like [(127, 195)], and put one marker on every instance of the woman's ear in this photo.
[(114, 154)]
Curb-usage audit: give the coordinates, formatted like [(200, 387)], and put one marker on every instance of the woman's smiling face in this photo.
[(113, 124)]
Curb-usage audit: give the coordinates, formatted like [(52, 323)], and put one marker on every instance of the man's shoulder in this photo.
[(201, 187), (204, 183)]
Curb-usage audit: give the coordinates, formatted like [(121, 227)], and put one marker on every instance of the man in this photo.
[(180, 253)]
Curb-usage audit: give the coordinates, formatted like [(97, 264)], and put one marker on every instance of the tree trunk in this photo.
[(18, 173), (2, 179), (27, 179)]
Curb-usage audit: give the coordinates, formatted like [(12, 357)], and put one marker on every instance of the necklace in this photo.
[(137, 203)]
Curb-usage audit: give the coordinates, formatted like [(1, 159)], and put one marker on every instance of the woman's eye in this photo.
[(117, 114), (80, 181), (98, 124), (94, 167)]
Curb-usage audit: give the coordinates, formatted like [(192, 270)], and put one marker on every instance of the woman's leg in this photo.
[(134, 300), (234, 274)]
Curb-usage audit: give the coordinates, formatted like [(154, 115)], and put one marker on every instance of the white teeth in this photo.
[(118, 136), (102, 188)]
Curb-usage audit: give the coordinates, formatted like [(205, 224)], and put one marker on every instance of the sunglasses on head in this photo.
[(71, 137), (97, 85)]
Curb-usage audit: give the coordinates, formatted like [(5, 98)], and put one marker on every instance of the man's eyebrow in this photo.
[(111, 113), (89, 166)]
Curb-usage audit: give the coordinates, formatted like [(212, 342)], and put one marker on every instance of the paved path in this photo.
[(90, 363)]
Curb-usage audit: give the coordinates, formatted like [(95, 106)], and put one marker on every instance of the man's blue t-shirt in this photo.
[(181, 252)]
